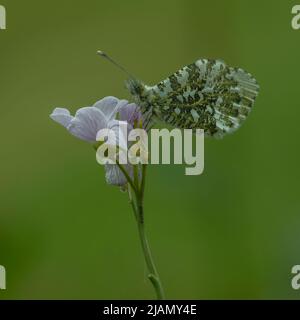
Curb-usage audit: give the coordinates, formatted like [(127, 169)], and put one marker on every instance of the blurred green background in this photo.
[(64, 234)]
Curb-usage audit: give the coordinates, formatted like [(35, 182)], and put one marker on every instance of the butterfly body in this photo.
[(206, 94)]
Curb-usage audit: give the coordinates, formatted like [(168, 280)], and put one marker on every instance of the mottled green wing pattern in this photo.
[(207, 95)]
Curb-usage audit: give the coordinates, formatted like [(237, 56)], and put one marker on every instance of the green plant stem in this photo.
[(138, 208), (153, 274), (143, 182), (129, 180)]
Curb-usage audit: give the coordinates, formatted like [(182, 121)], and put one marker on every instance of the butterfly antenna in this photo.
[(104, 55)]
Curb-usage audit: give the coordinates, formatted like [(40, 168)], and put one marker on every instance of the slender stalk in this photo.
[(132, 202), (143, 182), (153, 274), (138, 208), (129, 180), (136, 178)]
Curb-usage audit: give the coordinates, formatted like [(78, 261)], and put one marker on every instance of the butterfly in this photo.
[(207, 94)]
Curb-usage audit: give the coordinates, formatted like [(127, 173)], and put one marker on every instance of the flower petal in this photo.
[(87, 122), (131, 113), (114, 175), (120, 129), (108, 106), (62, 116)]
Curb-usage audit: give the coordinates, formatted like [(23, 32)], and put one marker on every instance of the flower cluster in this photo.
[(108, 113)]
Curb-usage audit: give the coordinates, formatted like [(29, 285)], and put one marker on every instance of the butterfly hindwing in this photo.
[(206, 94)]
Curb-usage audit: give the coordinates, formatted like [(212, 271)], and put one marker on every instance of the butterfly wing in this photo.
[(207, 95)]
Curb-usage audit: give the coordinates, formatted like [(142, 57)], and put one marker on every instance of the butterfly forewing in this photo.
[(206, 94)]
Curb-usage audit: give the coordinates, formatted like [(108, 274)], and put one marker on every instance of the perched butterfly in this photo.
[(206, 94)]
